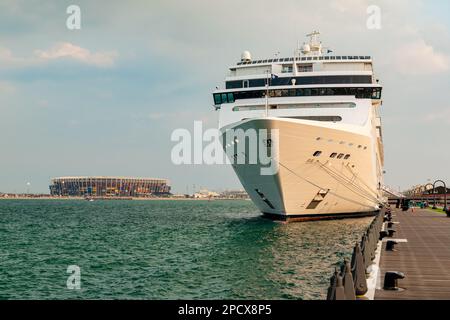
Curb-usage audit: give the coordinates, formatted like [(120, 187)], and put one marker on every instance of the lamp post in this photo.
[(445, 194), (425, 189)]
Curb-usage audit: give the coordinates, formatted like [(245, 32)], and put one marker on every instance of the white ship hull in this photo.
[(308, 187)]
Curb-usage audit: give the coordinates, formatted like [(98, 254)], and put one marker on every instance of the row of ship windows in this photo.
[(285, 81), (305, 59), (333, 155), (359, 93)]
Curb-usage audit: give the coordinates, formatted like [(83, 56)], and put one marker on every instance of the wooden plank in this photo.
[(424, 258)]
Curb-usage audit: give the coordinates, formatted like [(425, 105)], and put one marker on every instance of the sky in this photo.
[(104, 99)]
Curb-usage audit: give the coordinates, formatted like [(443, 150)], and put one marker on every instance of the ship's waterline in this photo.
[(165, 250)]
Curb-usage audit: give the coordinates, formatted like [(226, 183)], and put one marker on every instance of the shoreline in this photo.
[(117, 199)]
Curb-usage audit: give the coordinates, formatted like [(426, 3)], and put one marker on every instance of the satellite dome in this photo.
[(306, 48), (246, 56)]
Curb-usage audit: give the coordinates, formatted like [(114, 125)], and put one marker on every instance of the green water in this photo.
[(165, 250)]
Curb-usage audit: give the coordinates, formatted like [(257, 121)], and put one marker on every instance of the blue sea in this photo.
[(165, 249)]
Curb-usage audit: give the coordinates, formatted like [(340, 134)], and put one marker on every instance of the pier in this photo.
[(403, 255), (422, 254)]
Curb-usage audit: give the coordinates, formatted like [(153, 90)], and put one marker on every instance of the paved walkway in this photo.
[(424, 258)]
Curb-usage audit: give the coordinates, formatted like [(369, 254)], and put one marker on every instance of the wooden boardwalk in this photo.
[(424, 258)]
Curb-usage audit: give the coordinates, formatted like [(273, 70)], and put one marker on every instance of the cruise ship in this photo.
[(328, 146)]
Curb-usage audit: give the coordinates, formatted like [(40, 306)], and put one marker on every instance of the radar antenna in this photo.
[(314, 46)]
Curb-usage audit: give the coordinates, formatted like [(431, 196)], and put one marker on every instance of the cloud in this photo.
[(63, 50), (419, 58), (71, 51)]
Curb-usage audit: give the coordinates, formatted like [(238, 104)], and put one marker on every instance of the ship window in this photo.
[(257, 82), (376, 93), (347, 156), (317, 153), (287, 68), (246, 83), (224, 98), (233, 84), (230, 97), (333, 155), (317, 118), (217, 99), (360, 93), (340, 156)]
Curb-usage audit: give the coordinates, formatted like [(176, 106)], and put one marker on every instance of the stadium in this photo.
[(109, 187)]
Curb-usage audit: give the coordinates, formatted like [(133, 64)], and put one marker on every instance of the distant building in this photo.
[(234, 194), (205, 194), (109, 187)]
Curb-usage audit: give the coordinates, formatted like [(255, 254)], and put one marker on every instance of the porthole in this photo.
[(342, 142), (333, 155), (317, 153), (318, 138), (340, 156), (347, 156)]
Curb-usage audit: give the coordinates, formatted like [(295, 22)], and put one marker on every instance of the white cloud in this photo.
[(69, 50), (64, 50), (419, 58)]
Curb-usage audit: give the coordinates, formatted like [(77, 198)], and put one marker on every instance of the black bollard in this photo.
[(383, 234), (339, 293), (349, 286), (390, 245), (391, 280), (366, 252), (373, 242), (390, 224), (332, 287), (391, 233), (358, 271)]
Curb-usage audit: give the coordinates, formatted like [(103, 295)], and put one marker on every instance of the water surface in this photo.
[(165, 250)]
